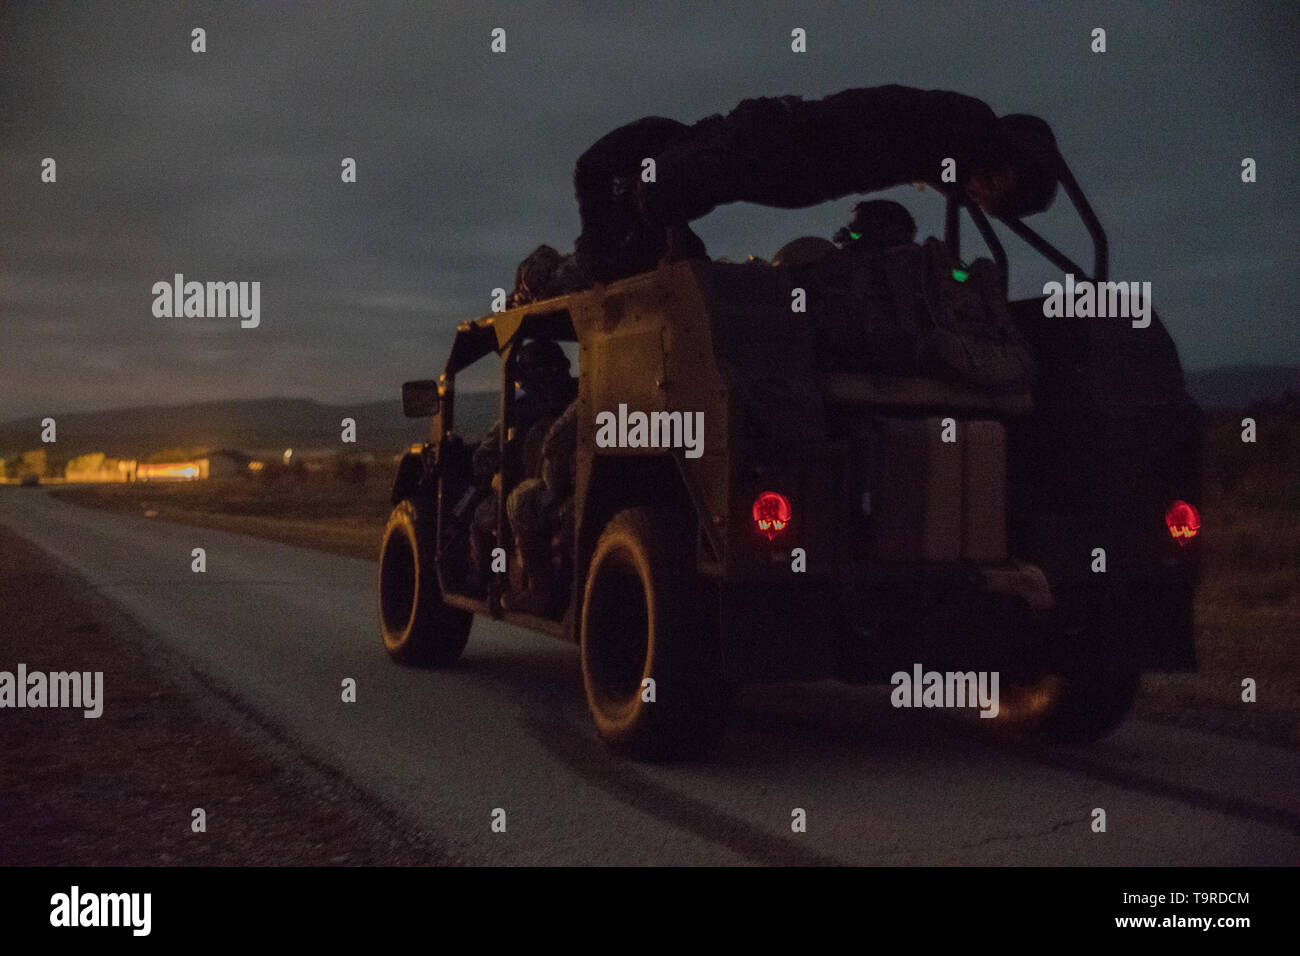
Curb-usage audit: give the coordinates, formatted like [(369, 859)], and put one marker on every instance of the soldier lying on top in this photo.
[(791, 153)]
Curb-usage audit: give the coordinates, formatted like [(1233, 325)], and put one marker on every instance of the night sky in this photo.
[(225, 166)]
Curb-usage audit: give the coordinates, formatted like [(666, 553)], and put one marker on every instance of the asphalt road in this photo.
[(278, 628)]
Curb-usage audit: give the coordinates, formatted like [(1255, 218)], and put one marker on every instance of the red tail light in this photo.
[(771, 513), (1184, 522)]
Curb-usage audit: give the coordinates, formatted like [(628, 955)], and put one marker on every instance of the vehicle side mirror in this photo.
[(420, 399)]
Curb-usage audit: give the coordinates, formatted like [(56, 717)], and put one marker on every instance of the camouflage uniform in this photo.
[(791, 153), (544, 398), (536, 506), (545, 274)]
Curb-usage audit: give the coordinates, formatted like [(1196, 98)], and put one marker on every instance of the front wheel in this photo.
[(416, 626), (651, 664)]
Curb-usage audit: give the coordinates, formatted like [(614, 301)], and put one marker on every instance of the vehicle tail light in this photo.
[(771, 513), (1183, 521)]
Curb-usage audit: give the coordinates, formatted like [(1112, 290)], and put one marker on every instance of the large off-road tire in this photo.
[(1078, 706), (417, 627), (646, 617)]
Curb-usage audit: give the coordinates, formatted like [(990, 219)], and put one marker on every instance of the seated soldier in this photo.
[(851, 292), (538, 511), (876, 225), (547, 388)]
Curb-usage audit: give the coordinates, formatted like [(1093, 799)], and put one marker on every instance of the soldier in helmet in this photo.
[(545, 274), (541, 515), (876, 225), (547, 389)]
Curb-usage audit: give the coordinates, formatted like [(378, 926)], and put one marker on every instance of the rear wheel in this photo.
[(416, 626), (1081, 704), (650, 658)]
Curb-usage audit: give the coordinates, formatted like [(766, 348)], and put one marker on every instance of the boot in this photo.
[(542, 595)]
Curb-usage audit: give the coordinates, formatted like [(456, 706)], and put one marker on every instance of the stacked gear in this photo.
[(884, 304), (964, 329)]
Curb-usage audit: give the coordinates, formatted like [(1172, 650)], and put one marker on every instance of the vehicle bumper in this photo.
[(864, 626)]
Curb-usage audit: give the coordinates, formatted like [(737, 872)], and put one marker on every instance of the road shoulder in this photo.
[(121, 789)]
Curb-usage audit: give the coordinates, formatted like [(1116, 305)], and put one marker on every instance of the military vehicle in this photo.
[(1019, 498)]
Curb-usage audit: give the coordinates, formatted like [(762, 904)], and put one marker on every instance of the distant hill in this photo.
[(241, 425), (381, 427), (1236, 386)]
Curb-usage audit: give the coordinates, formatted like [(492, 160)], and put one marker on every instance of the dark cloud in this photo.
[(225, 165)]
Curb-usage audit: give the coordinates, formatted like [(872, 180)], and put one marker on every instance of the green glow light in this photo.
[(959, 275), (855, 235)]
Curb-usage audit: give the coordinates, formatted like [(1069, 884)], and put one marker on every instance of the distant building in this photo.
[(302, 460), (97, 467)]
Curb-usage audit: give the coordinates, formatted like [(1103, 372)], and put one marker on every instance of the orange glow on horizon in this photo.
[(171, 471)]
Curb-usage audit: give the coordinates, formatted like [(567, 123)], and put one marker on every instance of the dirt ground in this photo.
[(120, 789), (325, 514)]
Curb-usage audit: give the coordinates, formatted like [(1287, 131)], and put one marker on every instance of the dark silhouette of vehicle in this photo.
[(29, 481), (829, 528)]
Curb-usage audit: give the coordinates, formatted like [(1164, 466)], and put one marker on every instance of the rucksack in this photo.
[(958, 317)]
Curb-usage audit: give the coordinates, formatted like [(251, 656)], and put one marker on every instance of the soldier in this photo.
[(877, 225), (618, 239), (540, 511), (791, 153), (545, 274), (547, 387)]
